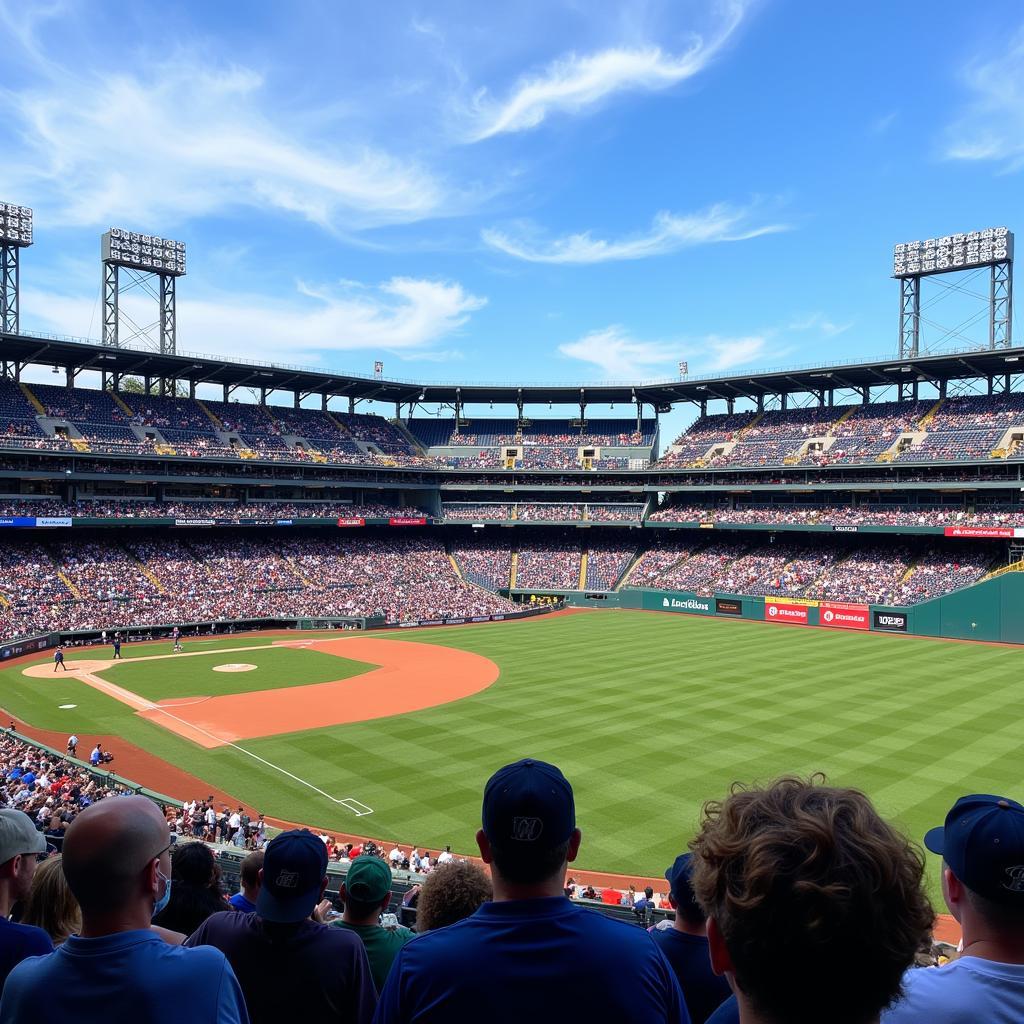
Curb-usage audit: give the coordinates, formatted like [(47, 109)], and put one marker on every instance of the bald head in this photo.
[(108, 850)]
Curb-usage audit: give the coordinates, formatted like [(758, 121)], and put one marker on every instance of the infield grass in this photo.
[(193, 675), (648, 714)]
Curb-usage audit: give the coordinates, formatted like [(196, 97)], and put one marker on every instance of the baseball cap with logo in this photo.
[(294, 866), (530, 803), (368, 880), (983, 844), (18, 835), (678, 877)]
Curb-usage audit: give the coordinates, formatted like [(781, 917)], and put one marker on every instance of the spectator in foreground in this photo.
[(117, 864), (290, 966), (245, 900), (366, 892), (451, 893), (531, 954), (51, 903), (196, 892), (982, 849), (815, 904), (685, 945), (20, 846)]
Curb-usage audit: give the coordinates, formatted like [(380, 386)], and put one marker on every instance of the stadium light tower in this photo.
[(142, 258), (975, 250), (15, 234)]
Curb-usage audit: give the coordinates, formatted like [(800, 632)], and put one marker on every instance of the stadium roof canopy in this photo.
[(75, 355)]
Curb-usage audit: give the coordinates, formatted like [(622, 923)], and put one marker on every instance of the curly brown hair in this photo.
[(818, 900), (451, 892)]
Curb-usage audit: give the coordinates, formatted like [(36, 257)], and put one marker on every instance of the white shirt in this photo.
[(211, 816), (235, 820), (395, 856), (445, 857)]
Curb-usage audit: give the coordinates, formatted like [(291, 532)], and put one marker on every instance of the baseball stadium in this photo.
[(372, 610), (742, 639)]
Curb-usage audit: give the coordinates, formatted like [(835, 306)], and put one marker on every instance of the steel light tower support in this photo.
[(952, 254), (144, 258), (168, 317), (9, 274), (111, 316), (1000, 324), (910, 317)]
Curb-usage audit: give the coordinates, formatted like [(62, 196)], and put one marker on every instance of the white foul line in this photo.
[(127, 697)]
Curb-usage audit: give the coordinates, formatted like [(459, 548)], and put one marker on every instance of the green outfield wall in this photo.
[(991, 611)]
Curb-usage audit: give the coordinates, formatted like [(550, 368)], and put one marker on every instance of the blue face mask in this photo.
[(166, 898)]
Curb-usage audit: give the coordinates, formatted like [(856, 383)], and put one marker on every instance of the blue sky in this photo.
[(533, 191)]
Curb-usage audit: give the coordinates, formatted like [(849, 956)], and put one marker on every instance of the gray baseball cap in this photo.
[(18, 835)]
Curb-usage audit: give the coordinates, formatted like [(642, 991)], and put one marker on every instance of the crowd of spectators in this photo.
[(140, 917), (476, 512), (549, 565), (51, 790), (606, 564), (964, 427), (875, 574), (90, 584), (549, 512), (128, 508), (485, 562), (841, 515)]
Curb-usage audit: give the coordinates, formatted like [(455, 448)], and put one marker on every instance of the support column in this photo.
[(910, 317)]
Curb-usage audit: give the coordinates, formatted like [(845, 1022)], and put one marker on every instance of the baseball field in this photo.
[(393, 735)]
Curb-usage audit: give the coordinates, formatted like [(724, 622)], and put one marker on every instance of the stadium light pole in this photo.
[(15, 235), (141, 258), (947, 254)]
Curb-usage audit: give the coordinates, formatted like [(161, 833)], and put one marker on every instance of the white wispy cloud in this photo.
[(818, 322), (990, 126), (408, 317), (668, 232), (185, 138), (578, 82), (620, 356)]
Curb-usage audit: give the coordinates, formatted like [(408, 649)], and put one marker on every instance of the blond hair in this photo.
[(51, 904)]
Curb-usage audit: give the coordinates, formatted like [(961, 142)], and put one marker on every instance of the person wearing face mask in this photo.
[(117, 863)]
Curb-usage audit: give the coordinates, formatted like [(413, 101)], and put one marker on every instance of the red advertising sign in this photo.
[(407, 521), (777, 611), (351, 522), (982, 531), (838, 615)]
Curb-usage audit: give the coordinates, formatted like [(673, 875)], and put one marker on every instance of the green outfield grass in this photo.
[(648, 715)]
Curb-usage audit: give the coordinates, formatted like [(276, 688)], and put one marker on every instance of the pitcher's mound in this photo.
[(234, 667)]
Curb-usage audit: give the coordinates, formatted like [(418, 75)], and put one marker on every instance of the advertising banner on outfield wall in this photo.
[(351, 522), (895, 622), (694, 605), (407, 521), (806, 602), (728, 606), (780, 611), (998, 532), (839, 615)]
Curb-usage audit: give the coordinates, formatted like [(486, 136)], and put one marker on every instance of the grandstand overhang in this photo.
[(75, 356)]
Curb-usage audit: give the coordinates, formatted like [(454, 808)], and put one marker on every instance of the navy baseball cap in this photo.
[(294, 866), (678, 877), (529, 802), (983, 844)]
